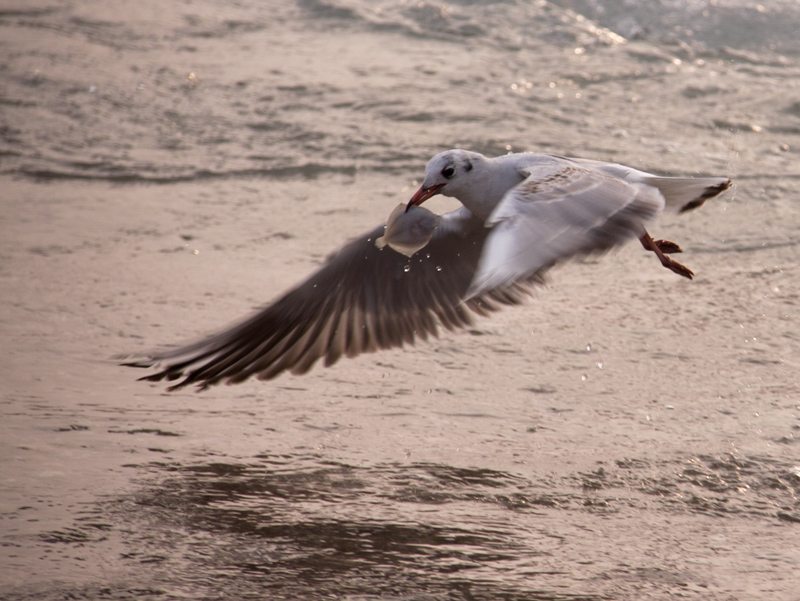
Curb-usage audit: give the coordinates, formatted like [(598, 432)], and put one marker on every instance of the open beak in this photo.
[(424, 194)]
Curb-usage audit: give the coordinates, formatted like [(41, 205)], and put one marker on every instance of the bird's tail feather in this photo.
[(684, 193)]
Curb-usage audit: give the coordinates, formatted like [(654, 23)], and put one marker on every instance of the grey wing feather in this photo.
[(362, 299), (681, 194), (560, 211)]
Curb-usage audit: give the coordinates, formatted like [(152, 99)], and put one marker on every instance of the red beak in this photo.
[(424, 194)]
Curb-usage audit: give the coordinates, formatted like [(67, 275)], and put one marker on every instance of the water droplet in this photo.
[(588, 348), (438, 268), (584, 377), (407, 268), (599, 365)]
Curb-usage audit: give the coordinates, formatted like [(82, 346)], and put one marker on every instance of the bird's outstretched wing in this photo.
[(362, 299), (561, 210)]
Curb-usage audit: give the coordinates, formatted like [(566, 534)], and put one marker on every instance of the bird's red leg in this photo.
[(662, 248)]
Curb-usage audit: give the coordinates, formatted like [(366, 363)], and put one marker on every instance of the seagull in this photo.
[(522, 214)]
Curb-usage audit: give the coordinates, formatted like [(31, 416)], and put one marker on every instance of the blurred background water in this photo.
[(105, 90), (151, 124)]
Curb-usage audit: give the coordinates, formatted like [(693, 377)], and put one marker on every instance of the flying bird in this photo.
[(522, 214)]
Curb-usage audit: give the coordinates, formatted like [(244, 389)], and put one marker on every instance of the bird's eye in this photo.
[(448, 172)]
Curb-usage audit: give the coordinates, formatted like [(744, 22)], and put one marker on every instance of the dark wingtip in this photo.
[(163, 375), (152, 377), (140, 363), (709, 192)]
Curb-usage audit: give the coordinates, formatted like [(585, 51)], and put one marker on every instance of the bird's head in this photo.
[(448, 173)]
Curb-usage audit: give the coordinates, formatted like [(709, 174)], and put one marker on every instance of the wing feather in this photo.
[(561, 210), (362, 299)]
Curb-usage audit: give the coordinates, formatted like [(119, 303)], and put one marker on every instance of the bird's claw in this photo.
[(678, 268), (667, 247)]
